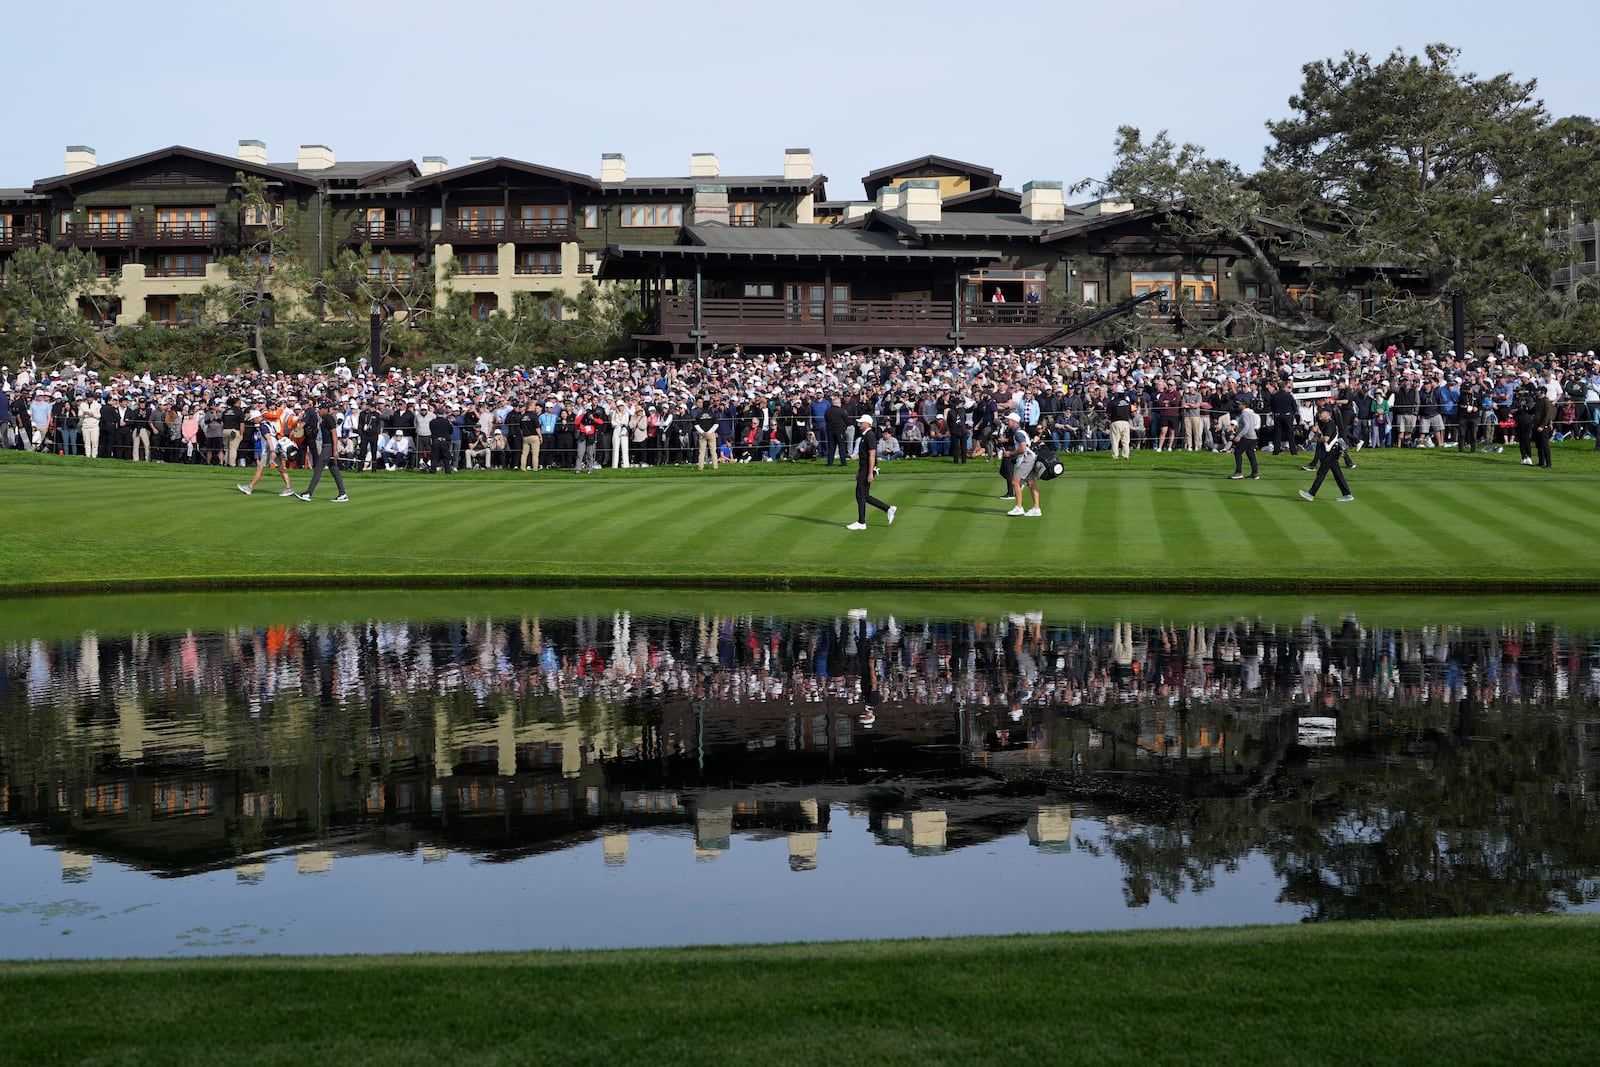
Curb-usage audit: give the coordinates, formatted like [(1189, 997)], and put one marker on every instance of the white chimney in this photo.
[(920, 200), (251, 151), (889, 198), (704, 165), (613, 167), (855, 211), (433, 165), (478, 159), (797, 165), (710, 205), (1043, 202), (315, 157), (80, 157)]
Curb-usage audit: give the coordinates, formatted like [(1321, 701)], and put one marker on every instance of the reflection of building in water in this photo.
[(501, 736)]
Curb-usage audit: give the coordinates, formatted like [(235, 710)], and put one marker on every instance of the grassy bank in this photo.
[(1454, 991), (1422, 522)]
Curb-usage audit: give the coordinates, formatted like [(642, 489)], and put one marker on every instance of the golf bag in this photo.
[(1047, 464)]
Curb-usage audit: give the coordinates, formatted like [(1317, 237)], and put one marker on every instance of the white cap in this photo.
[(864, 418)]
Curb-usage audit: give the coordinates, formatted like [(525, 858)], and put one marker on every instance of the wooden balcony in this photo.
[(387, 232), (542, 231), (480, 270), (140, 233), (12, 237), (186, 271), (475, 231), (885, 322), (538, 268)]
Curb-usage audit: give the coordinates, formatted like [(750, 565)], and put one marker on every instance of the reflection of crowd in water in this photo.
[(1014, 661)]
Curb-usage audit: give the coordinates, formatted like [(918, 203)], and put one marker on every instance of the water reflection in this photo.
[(1378, 770)]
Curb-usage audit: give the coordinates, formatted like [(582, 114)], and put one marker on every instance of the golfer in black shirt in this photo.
[(866, 471)]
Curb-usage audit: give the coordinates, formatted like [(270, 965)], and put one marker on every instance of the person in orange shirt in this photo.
[(268, 454)]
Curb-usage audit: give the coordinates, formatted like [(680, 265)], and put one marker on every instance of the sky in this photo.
[(1031, 90)]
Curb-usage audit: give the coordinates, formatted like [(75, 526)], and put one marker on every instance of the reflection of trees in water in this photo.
[(1454, 782)]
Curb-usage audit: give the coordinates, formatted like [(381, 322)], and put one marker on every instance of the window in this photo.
[(1251, 292), (484, 305), (261, 260), (186, 265), (742, 213), (166, 310), (553, 216), (590, 264), (805, 302), (591, 216), (636, 215), (1200, 288), (1150, 281), (107, 266), (436, 219), (760, 290), (260, 214), (109, 221), (481, 221), (1091, 292), (186, 222), (404, 264), (478, 263), (1304, 296), (539, 263)]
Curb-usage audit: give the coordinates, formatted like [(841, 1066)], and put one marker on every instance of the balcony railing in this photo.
[(389, 231), (480, 269), (538, 268), (481, 231), (19, 237), (184, 271), (548, 231), (141, 232)]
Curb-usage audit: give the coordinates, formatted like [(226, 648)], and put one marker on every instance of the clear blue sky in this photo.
[(1032, 90)]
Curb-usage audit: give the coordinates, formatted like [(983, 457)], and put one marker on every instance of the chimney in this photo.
[(704, 165), (855, 211), (80, 157), (613, 167), (889, 199), (1043, 202), (920, 200), (315, 157), (433, 165), (710, 205), (478, 159), (251, 151), (797, 165)]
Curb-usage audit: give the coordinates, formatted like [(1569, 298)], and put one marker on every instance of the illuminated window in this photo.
[(539, 263), (742, 213), (260, 214)]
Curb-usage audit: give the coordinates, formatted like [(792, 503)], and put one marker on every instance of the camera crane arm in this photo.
[(1112, 312)]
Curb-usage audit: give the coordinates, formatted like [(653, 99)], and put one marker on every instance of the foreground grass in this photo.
[(1422, 522), (1449, 991)]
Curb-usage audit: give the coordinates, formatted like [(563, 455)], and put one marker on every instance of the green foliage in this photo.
[(400, 291), (1393, 184), (267, 279), (47, 301)]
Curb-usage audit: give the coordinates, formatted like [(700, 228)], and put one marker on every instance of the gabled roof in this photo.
[(107, 171), (991, 198), (979, 177), (458, 175)]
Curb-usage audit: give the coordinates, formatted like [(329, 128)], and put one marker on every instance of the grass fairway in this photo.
[(1422, 521), (1458, 991)]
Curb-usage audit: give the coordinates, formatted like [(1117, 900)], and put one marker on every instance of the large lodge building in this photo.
[(939, 252)]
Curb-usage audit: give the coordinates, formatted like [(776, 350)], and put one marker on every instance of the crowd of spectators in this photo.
[(797, 405)]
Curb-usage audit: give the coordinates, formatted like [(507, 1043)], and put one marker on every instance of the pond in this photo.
[(183, 776)]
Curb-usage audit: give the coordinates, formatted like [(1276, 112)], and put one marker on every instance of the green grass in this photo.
[(1451, 991), (1422, 522)]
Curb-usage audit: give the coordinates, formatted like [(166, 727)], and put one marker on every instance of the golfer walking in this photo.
[(1330, 453), (324, 431), (866, 471), (1024, 464)]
